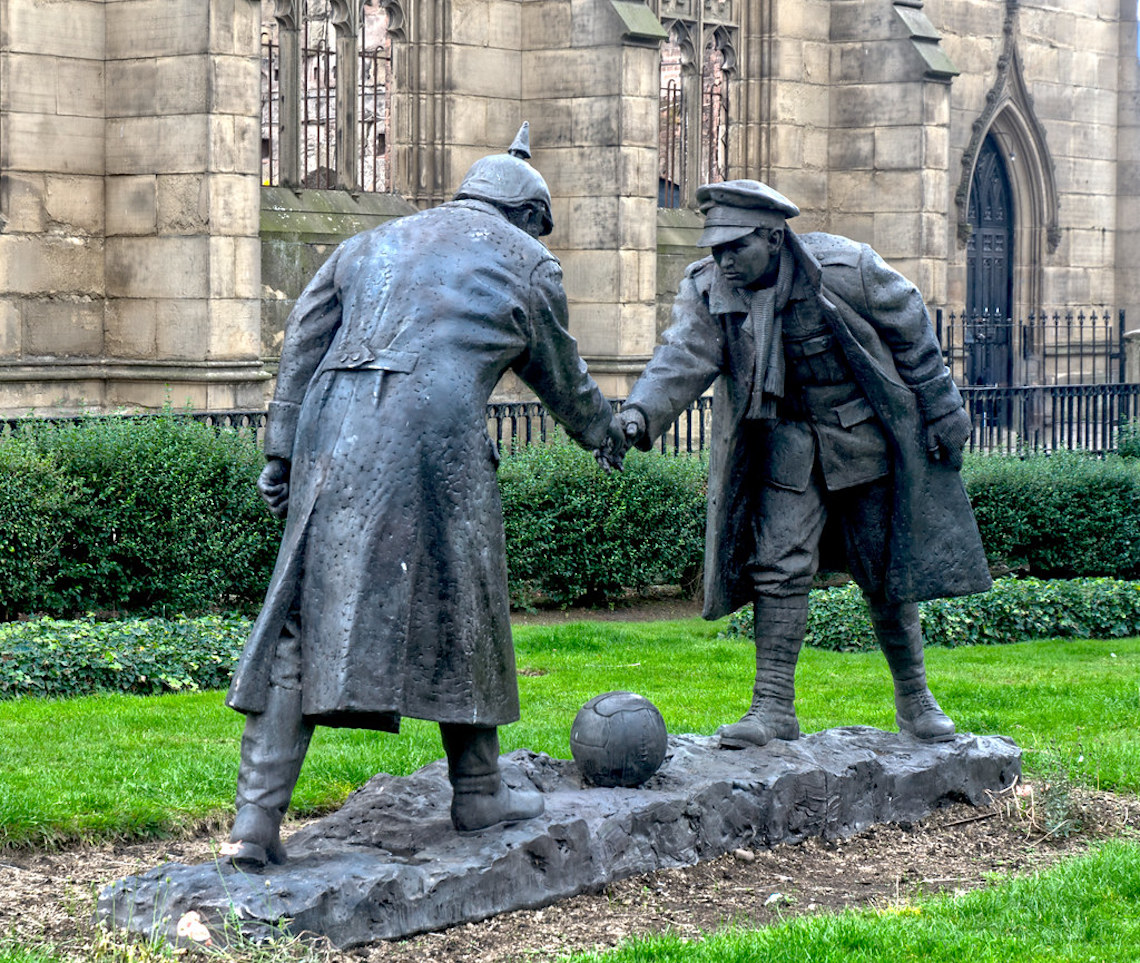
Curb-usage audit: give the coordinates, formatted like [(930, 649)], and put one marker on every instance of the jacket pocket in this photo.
[(789, 455), (854, 412)]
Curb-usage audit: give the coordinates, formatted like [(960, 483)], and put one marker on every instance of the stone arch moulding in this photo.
[(397, 19), (681, 33), (286, 13), (722, 38), (1010, 117), (346, 15)]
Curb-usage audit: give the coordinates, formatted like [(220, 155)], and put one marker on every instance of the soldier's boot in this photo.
[(273, 747), (899, 632), (480, 798), (779, 625)]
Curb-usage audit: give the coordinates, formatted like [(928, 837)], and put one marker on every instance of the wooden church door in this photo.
[(989, 272)]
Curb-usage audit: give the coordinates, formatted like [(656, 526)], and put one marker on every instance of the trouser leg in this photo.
[(899, 632), (273, 747), (479, 797), (787, 527)]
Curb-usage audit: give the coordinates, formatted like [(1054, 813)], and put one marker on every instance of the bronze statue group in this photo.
[(837, 431)]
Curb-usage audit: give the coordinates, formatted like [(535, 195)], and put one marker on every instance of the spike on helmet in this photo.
[(507, 180)]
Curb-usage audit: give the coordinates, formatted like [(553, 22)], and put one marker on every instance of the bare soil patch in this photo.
[(662, 604)]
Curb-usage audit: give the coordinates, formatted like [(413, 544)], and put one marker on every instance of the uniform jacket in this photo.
[(393, 550), (882, 327)]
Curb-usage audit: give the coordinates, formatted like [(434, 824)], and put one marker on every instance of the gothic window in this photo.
[(714, 111), (671, 126), (325, 125), (697, 60)]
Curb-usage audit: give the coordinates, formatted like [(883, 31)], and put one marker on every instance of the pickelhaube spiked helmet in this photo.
[(508, 180)]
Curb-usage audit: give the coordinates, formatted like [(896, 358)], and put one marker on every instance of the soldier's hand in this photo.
[(273, 483), (946, 437), (633, 426), (611, 454)]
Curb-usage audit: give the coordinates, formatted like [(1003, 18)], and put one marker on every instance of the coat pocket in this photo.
[(789, 455)]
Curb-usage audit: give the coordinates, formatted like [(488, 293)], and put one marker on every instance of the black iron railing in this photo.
[(1020, 420), (1069, 347), (514, 424), (1044, 418), (517, 423), (253, 421), (671, 144), (1023, 420)]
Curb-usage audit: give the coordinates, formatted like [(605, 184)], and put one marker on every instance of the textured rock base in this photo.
[(389, 864)]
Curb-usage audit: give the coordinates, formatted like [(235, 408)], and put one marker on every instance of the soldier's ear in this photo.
[(776, 238)]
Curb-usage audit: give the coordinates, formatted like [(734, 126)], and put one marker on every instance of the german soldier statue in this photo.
[(389, 597)]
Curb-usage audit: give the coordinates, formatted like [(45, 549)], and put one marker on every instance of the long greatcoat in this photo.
[(393, 559), (882, 327)]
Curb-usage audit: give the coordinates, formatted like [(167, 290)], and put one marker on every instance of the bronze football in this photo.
[(618, 739)]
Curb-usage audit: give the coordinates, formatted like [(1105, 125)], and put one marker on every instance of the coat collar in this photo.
[(809, 273), (474, 204), (726, 299)]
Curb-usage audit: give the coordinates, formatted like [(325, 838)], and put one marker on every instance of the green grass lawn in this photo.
[(110, 766), (122, 766), (17, 954)]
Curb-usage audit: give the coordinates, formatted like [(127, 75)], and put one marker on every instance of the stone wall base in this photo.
[(99, 385)]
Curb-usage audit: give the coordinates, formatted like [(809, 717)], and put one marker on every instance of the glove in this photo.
[(273, 483), (947, 436)]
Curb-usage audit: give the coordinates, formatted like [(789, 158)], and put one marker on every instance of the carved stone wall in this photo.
[(590, 89), (888, 150), (870, 116), (1043, 79), (52, 149), (1128, 173), (133, 234), (465, 75), (584, 74)]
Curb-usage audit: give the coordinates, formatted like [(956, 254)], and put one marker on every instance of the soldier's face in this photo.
[(752, 260)]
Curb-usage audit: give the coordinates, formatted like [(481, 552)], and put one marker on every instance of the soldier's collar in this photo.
[(725, 299), (808, 269), (475, 204)]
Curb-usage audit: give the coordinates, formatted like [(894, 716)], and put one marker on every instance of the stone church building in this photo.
[(173, 171)]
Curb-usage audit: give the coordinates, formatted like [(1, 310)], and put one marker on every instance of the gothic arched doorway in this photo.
[(989, 271)]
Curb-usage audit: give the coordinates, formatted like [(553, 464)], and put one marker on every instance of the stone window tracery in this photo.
[(697, 65), (326, 79)]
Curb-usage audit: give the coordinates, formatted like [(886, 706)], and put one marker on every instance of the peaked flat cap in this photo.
[(733, 209)]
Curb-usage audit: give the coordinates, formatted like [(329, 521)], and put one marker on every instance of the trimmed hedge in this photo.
[(142, 515), (1060, 516), (161, 515), (1014, 610), (52, 658), (576, 534)]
